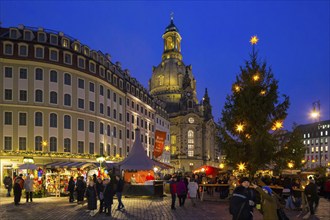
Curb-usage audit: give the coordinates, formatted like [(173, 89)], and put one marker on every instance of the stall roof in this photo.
[(137, 158), (70, 164)]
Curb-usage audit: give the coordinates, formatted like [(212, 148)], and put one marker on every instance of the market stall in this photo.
[(139, 166), (58, 174)]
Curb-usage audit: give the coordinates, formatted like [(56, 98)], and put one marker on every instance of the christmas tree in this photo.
[(250, 115)]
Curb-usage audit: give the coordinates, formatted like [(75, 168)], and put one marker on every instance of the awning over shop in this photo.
[(70, 165)]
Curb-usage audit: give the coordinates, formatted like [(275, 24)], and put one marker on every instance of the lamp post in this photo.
[(316, 114)]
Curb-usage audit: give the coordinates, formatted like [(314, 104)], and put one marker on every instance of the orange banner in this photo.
[(159, 143)]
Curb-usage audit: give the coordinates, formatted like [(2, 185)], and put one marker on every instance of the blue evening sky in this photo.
[(294, 40)]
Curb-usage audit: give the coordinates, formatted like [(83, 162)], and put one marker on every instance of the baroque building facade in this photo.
[(63, 101), (192, 129)]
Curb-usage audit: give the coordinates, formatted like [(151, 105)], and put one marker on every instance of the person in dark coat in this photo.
[(81, 187), (8, 182), (181, 191), (108, 195), (119, 192), (99, 189), (71, 187), (91, 195), (173, 182), (311, 194), (242, 202), (17, 191)]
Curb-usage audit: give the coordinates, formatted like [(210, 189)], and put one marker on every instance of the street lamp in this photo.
[(316, 114)]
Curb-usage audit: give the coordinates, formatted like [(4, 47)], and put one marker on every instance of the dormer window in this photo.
[(65, 42), (121, 83), (41, 37), (76, 47), (27, 35), (86, 51), (53, 39), (13, 34), (101, 60)]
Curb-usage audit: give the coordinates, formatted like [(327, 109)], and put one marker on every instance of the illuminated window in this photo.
[(316, 149), (326, 148), (312, 149), (190, 143), (65, 42)]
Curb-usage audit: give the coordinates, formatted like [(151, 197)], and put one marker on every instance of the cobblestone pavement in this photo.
[(135, 208)]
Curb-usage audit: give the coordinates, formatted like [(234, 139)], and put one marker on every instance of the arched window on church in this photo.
[(191, 143), (161, 80)]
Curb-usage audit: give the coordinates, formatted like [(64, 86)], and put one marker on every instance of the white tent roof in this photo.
[(137, 158)]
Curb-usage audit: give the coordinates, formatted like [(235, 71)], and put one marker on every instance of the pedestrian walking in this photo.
[(71, 187), (8, 182), (119, 192), (242, 201), (28, 186), (181, 191), (108, 196), (81, 187), (269, 204), (17, 191), (192, 191), (99, 190), (312, 197), (91, 195), (173, 182)]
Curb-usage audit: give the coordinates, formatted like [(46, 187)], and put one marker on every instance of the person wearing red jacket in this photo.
[(173, 182)]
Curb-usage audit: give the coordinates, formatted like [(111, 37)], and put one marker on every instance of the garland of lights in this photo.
[(57, 155)]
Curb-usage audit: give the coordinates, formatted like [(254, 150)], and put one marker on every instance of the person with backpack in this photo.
[(242, 201)]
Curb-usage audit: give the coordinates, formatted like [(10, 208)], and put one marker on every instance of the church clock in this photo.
[(191, 120)]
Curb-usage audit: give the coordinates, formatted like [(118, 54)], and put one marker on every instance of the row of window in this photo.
[(39, 53), (53, 39), (325, 149), (308, 135), (308, 142), (67, 146)]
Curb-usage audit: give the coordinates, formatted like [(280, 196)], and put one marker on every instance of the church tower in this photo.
[(192, 129), (167, 78)]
